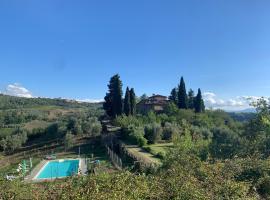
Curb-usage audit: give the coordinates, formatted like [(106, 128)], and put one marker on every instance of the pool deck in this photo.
[(31, 177), (83, 166)]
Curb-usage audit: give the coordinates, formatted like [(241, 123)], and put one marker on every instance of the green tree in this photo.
[(169, 131), (224, 144), (3, 144), (153, 133), (113, 100), (69, 141), (74, 126), (182, 95), (132, 101), (191, 99), (15, 141), (173, 96), (96, 128), (257, 131), (144, 97), (199, 103), (127, 104)]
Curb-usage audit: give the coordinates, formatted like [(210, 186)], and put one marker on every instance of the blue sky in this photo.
[(70, 49)]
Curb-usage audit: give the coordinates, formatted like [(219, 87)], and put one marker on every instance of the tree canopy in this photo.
[(182, 95), (132, 101), (113, 104), (127, 103)]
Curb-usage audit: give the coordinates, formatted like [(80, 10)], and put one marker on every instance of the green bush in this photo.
[(153, 133), (134, 135), (147, 148), (161, 155), (264, 186), (141, 141), (224, 144), (169, 130), (124, 121), (96, 128)]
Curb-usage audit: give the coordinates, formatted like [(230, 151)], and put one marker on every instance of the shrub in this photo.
[(96, 129), (153, 133), (141, 141), (161, 155), (225, 143), (124, 121), (134, 135), (147, 148), (201, 133), (264, 186), (14, 142), (69, 141), (169, 130)]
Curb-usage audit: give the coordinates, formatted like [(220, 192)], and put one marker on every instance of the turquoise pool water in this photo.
[(59, 169)]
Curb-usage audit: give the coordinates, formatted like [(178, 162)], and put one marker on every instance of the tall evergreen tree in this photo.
[(143, 97), (182, 95), (199, 103), (191, 99), (113, 104), (107, 105), (132, 101), (174, 96), (127, 105)]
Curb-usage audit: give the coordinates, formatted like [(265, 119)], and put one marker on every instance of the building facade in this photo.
[(156, 103)]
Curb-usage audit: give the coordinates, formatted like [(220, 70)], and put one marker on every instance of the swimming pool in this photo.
[(59, 169)]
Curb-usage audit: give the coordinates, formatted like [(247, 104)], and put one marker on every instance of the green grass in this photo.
[(142, 154), (159, 149), (5, 132), (36, 124), (11, 169)]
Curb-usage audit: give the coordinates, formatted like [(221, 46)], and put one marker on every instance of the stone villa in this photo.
[(156, 103)]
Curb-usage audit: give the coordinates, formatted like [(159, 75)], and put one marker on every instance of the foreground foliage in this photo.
[(183, 176)]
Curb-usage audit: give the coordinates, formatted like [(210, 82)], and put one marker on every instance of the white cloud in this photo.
[(17, 90), (90, 100), (237, 103)]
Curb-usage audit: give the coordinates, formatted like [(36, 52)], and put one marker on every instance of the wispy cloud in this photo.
[(236, 103), (90, 100), (17, 90)]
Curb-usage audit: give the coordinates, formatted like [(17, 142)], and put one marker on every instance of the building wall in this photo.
[(156, 103)]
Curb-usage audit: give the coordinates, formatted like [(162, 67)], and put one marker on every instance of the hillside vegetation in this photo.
[(30, 123), (202, 154)]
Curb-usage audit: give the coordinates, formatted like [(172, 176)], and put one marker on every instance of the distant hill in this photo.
[(248, 110), (44, 125), (12, 102), (242, 116)]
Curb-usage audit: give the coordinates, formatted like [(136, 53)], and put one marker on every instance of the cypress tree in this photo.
[(143, 97), (107, 105), (199, 103), (173, 97), (132, 102), (113, 104), (127, 105), (182, 95), (191, 99)]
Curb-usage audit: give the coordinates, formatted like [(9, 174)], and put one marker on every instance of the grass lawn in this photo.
[(36, 124), (158, 149), (6, 132), (142, 154)]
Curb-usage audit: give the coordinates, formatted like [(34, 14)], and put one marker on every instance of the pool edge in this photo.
[(40, 168)]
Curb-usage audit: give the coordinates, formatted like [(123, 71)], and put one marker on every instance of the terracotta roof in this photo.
[(152, 101), (158, 95)]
